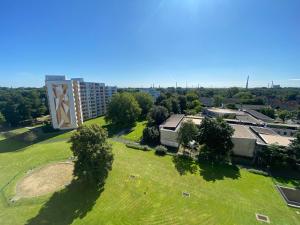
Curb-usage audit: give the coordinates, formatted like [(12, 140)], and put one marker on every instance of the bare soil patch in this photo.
[(44, 180)]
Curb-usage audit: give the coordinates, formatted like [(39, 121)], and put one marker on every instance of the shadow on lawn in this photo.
[(213, 171), (184, 165), (73, 202), (15, 142)]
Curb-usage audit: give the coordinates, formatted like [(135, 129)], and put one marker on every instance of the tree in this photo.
[(2, 119), (187, 133), (151, 135), (145, 102), (93, 155), (268, 112), (232, 91), (157, 115), (218, 100), (283, 114), (293, 150), (123, 110), (215, 135)]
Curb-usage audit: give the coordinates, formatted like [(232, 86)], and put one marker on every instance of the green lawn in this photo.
[(136, 132), (222, 195)]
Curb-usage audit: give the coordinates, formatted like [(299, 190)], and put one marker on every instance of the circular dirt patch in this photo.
[(45, 180)]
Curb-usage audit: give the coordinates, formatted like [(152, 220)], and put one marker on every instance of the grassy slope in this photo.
[(137, 132), (222, 200)]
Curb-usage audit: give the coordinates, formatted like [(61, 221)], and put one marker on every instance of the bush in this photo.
[(151, 135), (259, 172), (161, 150), (137, 146)]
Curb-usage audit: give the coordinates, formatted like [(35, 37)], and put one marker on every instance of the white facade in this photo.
[(73, 101), (62, 104)]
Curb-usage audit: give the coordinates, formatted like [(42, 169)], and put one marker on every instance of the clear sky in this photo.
[(213, 43)]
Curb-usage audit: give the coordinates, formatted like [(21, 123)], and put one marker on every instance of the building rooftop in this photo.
[(263, 130), (247, 119), (195, 119), (276, 139), (55, 77), (259, 115), (242, 131), (173, 121), (225, 111)]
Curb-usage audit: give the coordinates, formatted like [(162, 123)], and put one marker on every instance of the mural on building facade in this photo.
[(62, 105)]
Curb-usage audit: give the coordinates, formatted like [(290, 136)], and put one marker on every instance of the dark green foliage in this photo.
[(218, 100), (22, 104), (123, 110), (2, 119), (157, 115), (187, 133), (93, 155), (231, 106), (151, 135), (268, 112), (145, 102), (215, 135), (284, 115), (138, 146), (161, 150)]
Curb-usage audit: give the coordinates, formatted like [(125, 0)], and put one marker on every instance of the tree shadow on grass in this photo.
[(185, 165), (16, 142), (73, 202), (212, 171)]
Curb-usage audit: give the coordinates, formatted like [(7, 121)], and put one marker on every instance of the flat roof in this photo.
[(247, 119), (242, 131), (259, 115), (285, 125), (263, 130), (173, 121), (225, 111), (195, 119), (276, 139)]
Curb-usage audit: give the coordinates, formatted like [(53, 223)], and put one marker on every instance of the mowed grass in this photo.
[(136, 132), (221, 195)]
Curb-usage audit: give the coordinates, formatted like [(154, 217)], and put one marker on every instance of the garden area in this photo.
[(141, 188)]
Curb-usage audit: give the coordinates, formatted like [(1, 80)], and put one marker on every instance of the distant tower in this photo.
[(247, 83)]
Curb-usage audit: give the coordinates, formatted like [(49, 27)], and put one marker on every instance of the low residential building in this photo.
[(246, 139), (284, 129), (259, 116), (73, 101)]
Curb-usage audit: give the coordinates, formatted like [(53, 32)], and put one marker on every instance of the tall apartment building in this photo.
[(76, 100)]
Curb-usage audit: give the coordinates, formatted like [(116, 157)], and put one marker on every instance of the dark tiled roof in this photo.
[(173, 121)]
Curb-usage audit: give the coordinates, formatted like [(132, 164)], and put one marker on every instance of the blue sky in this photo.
[(213, 43)]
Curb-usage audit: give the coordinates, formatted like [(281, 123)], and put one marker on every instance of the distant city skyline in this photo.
[(133, 43)]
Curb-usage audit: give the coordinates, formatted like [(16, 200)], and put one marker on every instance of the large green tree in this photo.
[(215, 135), (123, 110), (157, 115), (187, 133), (145, 102), (93, 154)]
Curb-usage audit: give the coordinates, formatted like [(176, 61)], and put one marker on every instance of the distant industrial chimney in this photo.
[(247, 83)]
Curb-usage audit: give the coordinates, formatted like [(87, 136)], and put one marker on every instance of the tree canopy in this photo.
[(215, 135), (187, 133), (123, 110), (145, 102), (157, 115), (93, 155)]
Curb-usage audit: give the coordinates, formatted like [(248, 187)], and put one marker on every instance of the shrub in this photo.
[(161, 150), (151, 135), (259, 172), (137, 146)]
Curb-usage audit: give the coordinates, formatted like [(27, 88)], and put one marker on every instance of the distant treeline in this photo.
[(20, 106)]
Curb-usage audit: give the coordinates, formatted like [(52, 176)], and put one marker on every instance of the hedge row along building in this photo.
[(73, 101)]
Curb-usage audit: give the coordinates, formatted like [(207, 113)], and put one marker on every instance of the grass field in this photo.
[(218, 195), (136, 132)]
